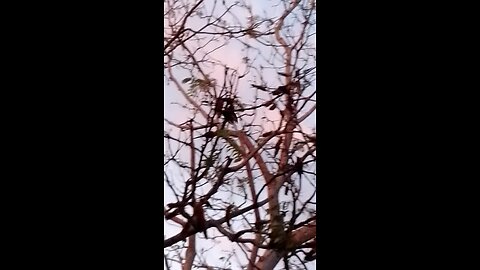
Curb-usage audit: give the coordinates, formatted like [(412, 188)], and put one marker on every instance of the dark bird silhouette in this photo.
[(280, 90), (229, 112), (198, 219), (298, 167), (218, 106)]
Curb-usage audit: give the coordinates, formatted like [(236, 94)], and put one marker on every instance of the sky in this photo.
[(229, 55)]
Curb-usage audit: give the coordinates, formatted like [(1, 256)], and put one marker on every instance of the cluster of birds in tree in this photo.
[(225, 107)]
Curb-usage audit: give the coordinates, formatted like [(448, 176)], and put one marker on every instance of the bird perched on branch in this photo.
[(197, 221), (225, 107), (218, 109), (229, 111), (298, 167)]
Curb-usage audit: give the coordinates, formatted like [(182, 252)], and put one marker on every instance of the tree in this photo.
[(240, 153)]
